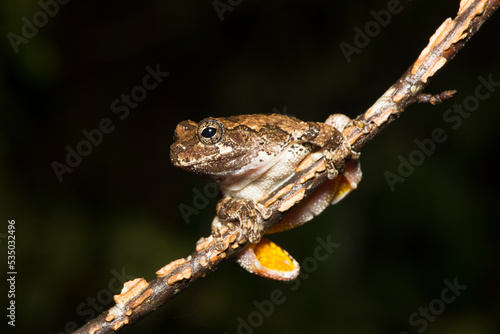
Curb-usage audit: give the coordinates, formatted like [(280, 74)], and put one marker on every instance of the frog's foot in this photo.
[(268, 260), (220, 231), (338, 150), (335, 158), (237, 210)]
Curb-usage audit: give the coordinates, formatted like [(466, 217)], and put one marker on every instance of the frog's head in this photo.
[(220, 147), (211, 147)]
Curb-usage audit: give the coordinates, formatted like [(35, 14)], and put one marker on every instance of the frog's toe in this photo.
[(332, 173), (250, 229), (246, 233), (254, 233), (268, 260), (351, 177)]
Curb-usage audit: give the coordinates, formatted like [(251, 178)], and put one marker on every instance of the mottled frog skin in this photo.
[(249, 156)]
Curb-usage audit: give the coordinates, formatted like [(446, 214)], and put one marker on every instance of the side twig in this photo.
[(139, 298)]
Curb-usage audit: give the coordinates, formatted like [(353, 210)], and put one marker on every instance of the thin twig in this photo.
[(139, 298)]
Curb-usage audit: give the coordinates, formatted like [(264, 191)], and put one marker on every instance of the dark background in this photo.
[(118, 209)]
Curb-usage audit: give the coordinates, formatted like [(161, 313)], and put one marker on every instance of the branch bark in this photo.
[(139, 298)]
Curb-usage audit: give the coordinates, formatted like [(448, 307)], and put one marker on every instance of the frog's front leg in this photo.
[(336, 149), (340, 122), (242, 211)]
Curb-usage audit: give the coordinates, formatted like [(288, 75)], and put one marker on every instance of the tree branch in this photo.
[(139, 298)]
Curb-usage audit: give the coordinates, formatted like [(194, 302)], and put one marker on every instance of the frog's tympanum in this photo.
[(249, 156)]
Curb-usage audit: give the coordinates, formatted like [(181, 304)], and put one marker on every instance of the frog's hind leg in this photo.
[(330, 192)]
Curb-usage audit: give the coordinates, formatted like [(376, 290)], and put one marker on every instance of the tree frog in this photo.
[(249, 156)]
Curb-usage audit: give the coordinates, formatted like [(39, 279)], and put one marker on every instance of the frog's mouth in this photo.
[(210, 161)]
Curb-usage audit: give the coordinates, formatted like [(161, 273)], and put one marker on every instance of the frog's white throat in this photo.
[(264, 173)]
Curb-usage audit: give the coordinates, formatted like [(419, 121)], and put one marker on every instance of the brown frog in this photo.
[(249, 156)]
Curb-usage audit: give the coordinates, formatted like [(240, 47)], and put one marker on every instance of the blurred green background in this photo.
[(117, 213)]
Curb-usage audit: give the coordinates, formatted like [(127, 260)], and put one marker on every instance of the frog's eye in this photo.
[(210, 132)]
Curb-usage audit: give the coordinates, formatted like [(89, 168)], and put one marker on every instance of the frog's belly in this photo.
[(265, 179)]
